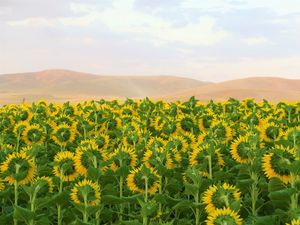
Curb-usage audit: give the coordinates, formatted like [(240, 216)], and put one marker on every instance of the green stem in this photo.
[(254, 194), (16, 185), (197, 209), (294, 197), (59, 214), (160, 192), (85, 215), (145, 218), (210, 167), (121, 196), (32, 205), (18, 142)]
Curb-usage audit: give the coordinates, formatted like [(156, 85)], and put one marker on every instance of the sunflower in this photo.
[(221, 130), (217, 197), (24, 113), (153, 158), (241, 149), (124, 156), (20, 127), (132, 138), (18, 167), (199, 154), (65, 166), (158, 123), (86, 193), (136, 180), (88, 156), (156, 142), (294, 222), (205, 121), (5, 150), (293, 135), (270, 132), (33, 134), (189, 137), (127, 111), (186, 124), (111, 124), (46, 180), (276, 162), (1, 185), (102, 141), (223, 216), (63, 134), (177, 142)]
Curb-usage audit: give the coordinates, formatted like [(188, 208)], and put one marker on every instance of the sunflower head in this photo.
[(2, 186), (43, 184), (270, 132), (123, 156), (65, 166), (18, 167), (89, 156), (86, 193), (138, 177), (294, 222), (33, 134), (223, 216), (63, 134), (276, 162), (219, 196), (244, 148)]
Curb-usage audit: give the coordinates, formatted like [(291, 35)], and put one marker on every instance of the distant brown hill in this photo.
[(271, 88), (64, 85)]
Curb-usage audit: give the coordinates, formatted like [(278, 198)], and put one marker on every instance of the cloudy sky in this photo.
[(209, 40)]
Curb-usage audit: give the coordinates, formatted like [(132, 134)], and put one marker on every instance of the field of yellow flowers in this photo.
[(144, 162)]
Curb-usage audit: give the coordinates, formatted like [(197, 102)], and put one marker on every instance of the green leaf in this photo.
[(275, 184), (60, 198), (149, 208), (23, 214), (130, 222), (112, 199), (183, 204)]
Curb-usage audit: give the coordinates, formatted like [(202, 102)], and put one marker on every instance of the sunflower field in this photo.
[(143, 162)]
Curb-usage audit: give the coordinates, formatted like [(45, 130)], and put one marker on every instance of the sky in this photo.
[(210, 40)]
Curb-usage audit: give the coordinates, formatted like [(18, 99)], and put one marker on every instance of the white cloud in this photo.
[(32, 22), (122, 18), (279, 6), (256, 41)]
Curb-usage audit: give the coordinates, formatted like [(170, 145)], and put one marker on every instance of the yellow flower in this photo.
[(270, 132), (294, 222), (102, 140), (217, 197), (20, 127), (241, 149), (156, 142), (275, 162), (33, 134), (137, 177), (65, 166), (19, 164), (88, 155), (126, 156), (49, 182), (86, 193), (223, 216), (199, 154), (63, 134), (1, 185)]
